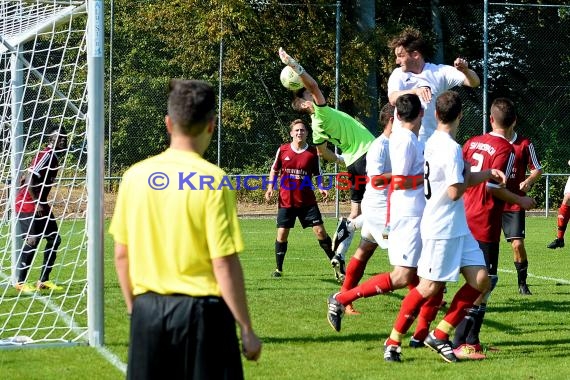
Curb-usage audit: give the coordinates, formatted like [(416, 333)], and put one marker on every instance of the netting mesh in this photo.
[(43, 73)]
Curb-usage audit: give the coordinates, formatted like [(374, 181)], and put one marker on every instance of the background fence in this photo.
[(518, 50)]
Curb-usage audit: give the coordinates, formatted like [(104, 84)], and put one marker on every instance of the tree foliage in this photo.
[(154, 40)]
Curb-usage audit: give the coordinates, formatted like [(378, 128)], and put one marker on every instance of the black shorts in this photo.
[(491, 253), (31, 225), (309, 216), (357, 169), (513, 224), (182, 337)]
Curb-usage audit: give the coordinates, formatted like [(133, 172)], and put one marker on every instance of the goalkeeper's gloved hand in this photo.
[(291, 62)]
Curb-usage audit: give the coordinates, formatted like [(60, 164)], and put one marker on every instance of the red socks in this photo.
[(563, 217), (408, 311), (463, 300), (354, 273), (376, 285), (428, 313)]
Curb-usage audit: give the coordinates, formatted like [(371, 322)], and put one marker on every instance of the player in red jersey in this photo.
[(484, 206), (563, 218), (35, 217), (295, 164), (514, 215)]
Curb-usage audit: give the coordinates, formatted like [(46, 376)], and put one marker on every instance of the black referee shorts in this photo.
[(182, 337)]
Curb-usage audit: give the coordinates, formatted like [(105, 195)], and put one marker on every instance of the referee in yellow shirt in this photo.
[(177, 240)]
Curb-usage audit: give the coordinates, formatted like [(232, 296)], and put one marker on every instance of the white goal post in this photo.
[(51, 77)]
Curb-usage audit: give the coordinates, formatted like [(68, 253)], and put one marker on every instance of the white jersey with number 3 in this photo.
[(443, 218)]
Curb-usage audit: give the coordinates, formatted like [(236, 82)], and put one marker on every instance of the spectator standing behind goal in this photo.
[(563, 217), (295, 165), (36, 220), (427, 80), (514, 215), (342, 130), (176, 254)]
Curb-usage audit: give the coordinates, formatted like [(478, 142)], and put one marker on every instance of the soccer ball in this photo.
[(290, 79)]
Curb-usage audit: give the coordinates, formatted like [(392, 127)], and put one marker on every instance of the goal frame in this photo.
[(95, 128)]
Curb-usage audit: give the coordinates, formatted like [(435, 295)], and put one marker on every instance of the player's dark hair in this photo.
[(408, 107), (411, 40), (298, 100), (504, 112), (448, 106), (55, 132), (58, 129), (191, 104), (386, 113)]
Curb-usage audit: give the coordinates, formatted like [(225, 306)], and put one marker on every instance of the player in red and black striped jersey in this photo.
[(514, 215), (295, 165), (35, 217), (484, 205)]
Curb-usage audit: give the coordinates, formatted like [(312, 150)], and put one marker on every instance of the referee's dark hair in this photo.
[(191, 105)]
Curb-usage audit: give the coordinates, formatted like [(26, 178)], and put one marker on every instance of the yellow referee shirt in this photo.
[(176, 212)]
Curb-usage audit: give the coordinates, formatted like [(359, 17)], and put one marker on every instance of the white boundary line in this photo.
[(559, 280), (104, 352), (113, 359)]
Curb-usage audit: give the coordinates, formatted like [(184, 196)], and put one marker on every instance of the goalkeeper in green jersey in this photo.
[(343, 131)]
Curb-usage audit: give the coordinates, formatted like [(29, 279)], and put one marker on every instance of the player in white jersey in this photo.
[(406, 207), (407, 200), (427, 80), (374, 204), (379, 172), (448, 245)]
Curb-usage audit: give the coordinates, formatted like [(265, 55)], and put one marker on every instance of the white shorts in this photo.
[(404, 241), (567, 187), (374, 224), (442, 259)]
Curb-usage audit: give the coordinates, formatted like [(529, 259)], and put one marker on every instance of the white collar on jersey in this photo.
[(514, 138), (497, 135), (299, 150)]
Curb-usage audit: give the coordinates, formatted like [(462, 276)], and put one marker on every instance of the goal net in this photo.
[(43, 86)]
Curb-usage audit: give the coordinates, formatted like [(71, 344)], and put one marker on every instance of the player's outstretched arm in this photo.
[(229, 275), (423, 92), (506, 195), (471, 77), (328, 155), (309, 82)]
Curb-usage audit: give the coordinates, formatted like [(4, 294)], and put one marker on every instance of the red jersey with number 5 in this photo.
[(483, 211), (525, 157), (296, 169)]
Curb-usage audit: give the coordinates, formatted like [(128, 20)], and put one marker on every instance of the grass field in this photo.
[(532, 334)]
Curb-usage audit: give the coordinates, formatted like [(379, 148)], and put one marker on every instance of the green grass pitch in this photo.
[(532, 334)]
